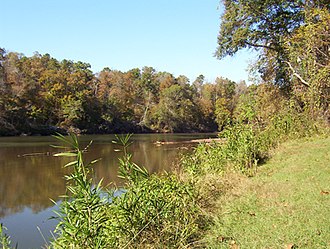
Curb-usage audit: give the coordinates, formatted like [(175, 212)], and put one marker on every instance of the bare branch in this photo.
[(323, 53), (259, 45), (304, 82)]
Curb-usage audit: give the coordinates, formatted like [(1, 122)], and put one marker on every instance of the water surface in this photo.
[(30, 176)]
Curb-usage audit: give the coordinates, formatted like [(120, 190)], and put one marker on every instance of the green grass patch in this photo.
[(287, 205)]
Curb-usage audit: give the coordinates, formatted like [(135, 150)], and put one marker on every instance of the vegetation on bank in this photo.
[(150, 210), (199, 206), (193, 207)]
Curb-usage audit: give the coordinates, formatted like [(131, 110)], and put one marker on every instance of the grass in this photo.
[(154, 211), (287, 205)]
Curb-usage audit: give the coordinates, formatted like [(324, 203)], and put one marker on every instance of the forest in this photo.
[(41, 95), (217, 195)]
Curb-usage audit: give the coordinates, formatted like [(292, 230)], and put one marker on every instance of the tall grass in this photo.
[(153, 211), (4, 238), (82, 212)]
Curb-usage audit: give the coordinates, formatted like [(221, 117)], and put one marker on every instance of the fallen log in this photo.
[(205, 140)]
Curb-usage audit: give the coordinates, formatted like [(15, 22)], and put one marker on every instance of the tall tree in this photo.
[(224, 101), (198, 84), (309, 61), (150, 92), (177, 111), (263, 25)]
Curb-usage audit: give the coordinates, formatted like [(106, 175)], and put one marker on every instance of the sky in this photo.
[(177, 36)]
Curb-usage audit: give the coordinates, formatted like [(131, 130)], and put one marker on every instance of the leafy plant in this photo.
[(81, 214), (154, 211), (4, 239), (127, 169), (151, 210)]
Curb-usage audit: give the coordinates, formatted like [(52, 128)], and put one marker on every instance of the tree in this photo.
[(176, 111), (198, 83), (2, 59), (207, 104), (309, 61), (166, 80), (224, 101), (149, 92), (263, 25), (5, 126)]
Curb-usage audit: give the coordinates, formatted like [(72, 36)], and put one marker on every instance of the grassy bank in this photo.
[(285, 206), (212, 203)]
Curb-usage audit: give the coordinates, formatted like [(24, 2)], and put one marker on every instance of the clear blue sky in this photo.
[(177, 36)]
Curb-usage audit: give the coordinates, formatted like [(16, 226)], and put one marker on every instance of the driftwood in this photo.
[(47, 153), (207, 140), (37, 154)]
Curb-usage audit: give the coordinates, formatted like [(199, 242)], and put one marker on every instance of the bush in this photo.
[(248, 141), (82, 213), (157, 212), (152, 211)]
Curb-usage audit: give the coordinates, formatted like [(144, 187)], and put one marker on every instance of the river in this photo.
[(30, 176)]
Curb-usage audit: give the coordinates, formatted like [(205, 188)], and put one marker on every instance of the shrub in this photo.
[(152, 211), (82, 213), (159, 211), (4, 238), (248, 141)]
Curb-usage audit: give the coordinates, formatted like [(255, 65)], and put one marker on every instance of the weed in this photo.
[(81, 214), (152, 211), (155, 211), (4, 238)]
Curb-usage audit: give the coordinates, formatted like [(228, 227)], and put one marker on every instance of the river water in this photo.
[(30, 176)]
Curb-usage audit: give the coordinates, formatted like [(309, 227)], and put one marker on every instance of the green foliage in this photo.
[(4, 239), (129, 170), (151, 211), (263, 119), (309, 61), (206, 158), (263, 25), (222, 114), (177, 110), (242, 147), (224, 102), (82, 212), (156, 212)]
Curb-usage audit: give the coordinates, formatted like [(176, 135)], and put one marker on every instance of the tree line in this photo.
[(291, 101), (42, 95)]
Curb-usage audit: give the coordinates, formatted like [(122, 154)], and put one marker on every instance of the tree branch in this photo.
[(259, 45), (304, 82)]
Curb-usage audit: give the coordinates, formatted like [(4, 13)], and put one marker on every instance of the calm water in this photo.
[(30, 176)]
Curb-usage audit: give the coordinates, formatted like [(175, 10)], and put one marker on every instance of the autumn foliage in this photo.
[(41, 95)]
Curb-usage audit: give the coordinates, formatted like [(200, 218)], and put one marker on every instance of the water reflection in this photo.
[(28, 181), (30, 175)]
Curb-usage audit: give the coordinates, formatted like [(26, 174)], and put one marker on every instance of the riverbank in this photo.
[(30, 176), (286, 205)]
